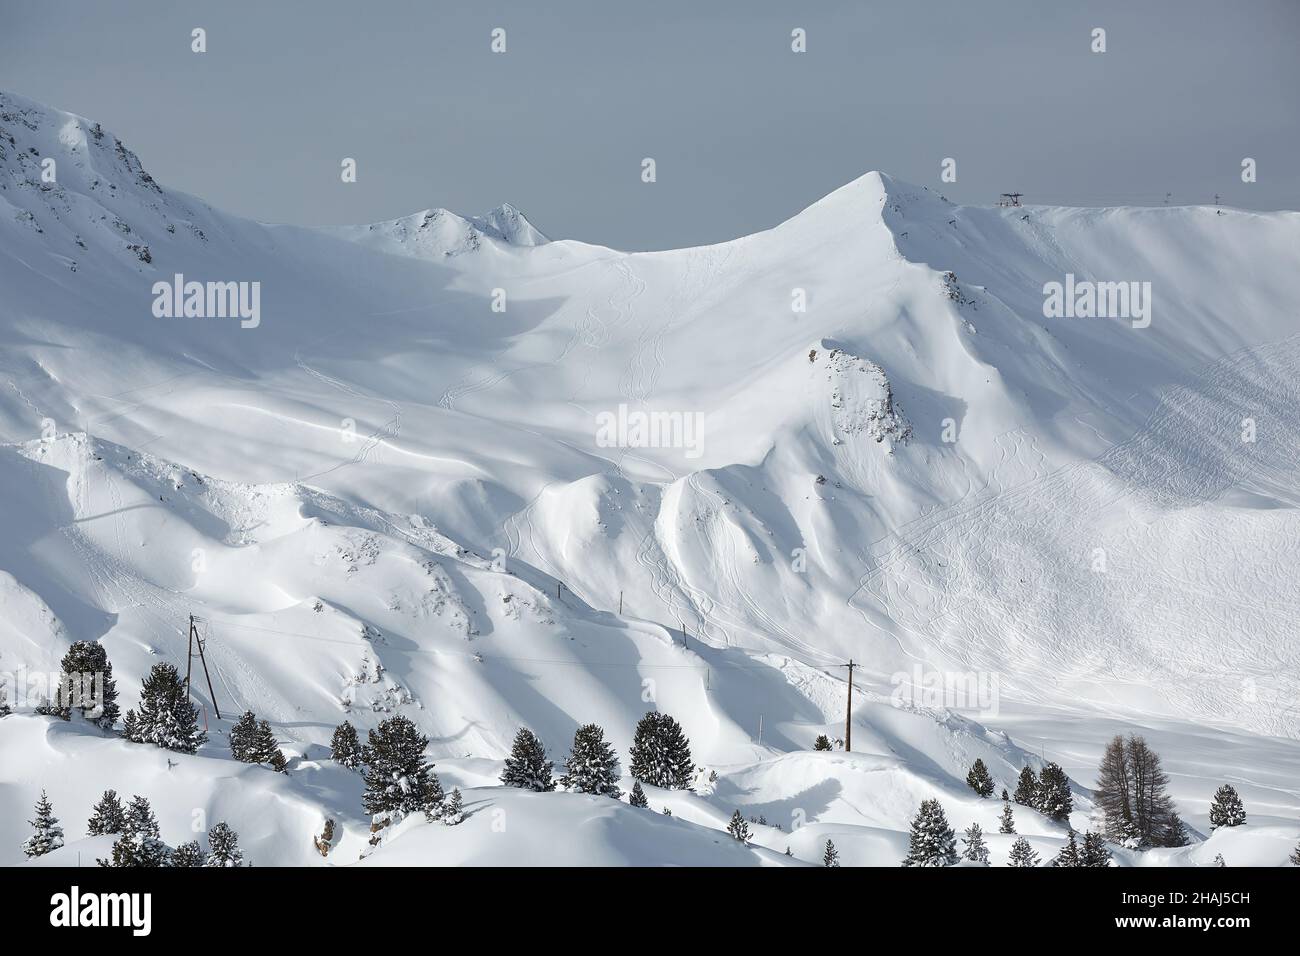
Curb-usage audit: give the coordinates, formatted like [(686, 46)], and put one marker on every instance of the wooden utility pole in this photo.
[(189, 658), (848, 713), (189, 664)]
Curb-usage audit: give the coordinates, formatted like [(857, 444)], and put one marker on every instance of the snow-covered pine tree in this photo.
[(267, 749), (140, 844), (978, 779), (223, 847), (165, 716), (48, 835), (976, 850), (830, 858), (738, 828), (399, 780), (822, 742), (1008, 822), (5, 709), (527, 766), (931, 842), (1005, 795), (87, 670), (667, 812), (592, 764), (1022, 854), (1069, 855), (1295, 856), (1027, 788), (1227, 809), (188, 855), (1219, 860), (1094, 852), (661, 754), (637, 797), (1054, 797), (345, 749), (243, 736), (453, 808), (108, 815)]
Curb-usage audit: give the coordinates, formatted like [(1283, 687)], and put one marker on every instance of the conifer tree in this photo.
[(1069, 855), (667, 812), (738, 828), (527, 766), (165, 718), (108, 815), (140, 844), (5, 709), (1027, 788), (1227, 809), (592, 764), (1022, 854), (188, 855), (1219, 860), (931, 842), (822, 742), (1005, 795), (1132, 794), (453, 808), (1054, 797), (48, 835), (87, 670), (223, 847), (399, 780), (1008, 822), (1094, 852), (253, 742), (243, 736), (830, 858), (1295, 856), (976, 850), (978, 779), (267, 749), (661, 754), (345, 749), (638, 798)]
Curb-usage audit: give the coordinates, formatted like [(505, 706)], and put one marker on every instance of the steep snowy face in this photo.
[(463, 473)]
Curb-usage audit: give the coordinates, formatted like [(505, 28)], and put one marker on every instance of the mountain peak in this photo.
[(508, 224)]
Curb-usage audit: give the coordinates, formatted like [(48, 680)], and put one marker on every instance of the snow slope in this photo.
[(391, 496)]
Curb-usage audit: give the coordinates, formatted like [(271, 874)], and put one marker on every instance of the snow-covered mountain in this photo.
[(448, 468)]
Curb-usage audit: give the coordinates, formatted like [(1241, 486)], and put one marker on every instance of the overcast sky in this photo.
[(744, 131)]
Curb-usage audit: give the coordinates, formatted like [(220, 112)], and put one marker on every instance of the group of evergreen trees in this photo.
[(933, 843), (252, 742), (661, 757), (399, 779), (139, 842), (1048, 793), (1093, 852)]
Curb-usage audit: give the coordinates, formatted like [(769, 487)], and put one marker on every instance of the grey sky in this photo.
[(744, 132)]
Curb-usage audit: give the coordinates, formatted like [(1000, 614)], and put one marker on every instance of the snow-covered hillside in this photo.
[(448, 468)]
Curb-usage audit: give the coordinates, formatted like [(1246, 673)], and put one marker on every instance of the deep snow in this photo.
[(390, 498)]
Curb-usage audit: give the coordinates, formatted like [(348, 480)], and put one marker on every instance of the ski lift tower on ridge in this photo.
[(1010, 199)]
